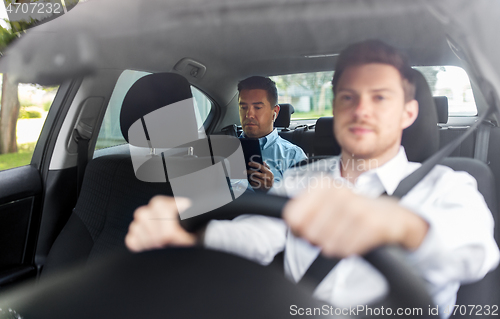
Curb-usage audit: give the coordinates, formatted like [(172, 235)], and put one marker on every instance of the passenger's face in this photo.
[(256, 113), (370, 112)]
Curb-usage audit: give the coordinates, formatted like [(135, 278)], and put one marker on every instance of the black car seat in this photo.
[(420, 140), (157, 116), (284, 116), (110, 190)]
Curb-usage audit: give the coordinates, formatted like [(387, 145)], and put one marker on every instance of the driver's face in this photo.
[(370, 112)]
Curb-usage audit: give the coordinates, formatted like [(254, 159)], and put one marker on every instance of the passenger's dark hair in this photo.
[(261, 83), (376, 51)]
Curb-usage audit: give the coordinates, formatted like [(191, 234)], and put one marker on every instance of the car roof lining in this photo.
[(234, 39), (241, 38)]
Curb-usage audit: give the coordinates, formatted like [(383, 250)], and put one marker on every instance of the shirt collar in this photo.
[(390, 174), (266, 141)]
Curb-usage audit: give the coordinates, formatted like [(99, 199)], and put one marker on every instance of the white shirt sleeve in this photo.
[(258, 238), (459, 246)]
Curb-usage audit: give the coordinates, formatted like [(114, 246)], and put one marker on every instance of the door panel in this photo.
[(20, 194)]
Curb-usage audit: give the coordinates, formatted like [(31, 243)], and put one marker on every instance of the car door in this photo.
[(26, 187)]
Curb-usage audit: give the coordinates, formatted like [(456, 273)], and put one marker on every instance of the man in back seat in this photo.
[(258, 106), (443, 222)]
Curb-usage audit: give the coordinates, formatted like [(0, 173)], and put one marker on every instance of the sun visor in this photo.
[(50, 58)]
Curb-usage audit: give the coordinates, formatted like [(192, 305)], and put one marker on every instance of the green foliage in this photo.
[(46, 106), (311, 115), (21, 158), (315, 85), (27, 113), (24, 102), (7, 36)]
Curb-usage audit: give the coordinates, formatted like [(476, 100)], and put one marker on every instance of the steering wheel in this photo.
[(407, 289), (193, 282)]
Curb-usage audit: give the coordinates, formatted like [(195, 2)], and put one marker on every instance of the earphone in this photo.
[(274, 117)]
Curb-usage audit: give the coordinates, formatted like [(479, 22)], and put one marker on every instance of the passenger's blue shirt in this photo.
[(279, 153)]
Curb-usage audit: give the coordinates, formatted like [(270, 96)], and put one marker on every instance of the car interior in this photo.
[(71, 207)]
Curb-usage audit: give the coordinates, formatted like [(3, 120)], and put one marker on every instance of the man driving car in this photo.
[(443, 223), (258, 108)]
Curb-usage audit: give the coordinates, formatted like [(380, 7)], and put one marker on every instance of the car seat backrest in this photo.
[(325, 142), (485, 291), (284, 116), (151, 93), (111, 191), (442, 109), (420, 140)]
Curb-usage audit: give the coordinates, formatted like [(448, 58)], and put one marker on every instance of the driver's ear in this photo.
[(410, 113)]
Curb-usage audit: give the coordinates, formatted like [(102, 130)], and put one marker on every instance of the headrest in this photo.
[(324, 141), (149, 94), (441, 108), (284, 116), (420, 140)]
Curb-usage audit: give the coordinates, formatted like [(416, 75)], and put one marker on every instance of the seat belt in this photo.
[(231, 130), (322, 265), (482, 142), (82, 159)]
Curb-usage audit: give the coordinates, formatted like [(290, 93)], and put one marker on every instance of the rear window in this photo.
[(311, 93), (452, 82), (110, 133)]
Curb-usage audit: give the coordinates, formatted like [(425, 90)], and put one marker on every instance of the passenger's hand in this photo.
[(261, 176), (156, 225), (343, 223)]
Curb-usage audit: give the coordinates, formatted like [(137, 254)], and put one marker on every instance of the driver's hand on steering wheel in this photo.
[(156, 225), (343, 223)]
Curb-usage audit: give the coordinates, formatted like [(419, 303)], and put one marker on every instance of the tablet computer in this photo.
[(251, 150)]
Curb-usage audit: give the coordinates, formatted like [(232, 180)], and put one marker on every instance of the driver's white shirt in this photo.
[(458, 248)]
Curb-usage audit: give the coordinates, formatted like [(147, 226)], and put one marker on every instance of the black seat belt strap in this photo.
[(414, 178), (322, 263), (482, 142), (318, 270), (82, 159)]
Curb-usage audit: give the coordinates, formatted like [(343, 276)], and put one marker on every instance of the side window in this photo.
[(110, 133), (310, 93), (203, 106), (23, 110), (452, 82)]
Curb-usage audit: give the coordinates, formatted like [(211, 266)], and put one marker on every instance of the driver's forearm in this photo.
[(258, 238)]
